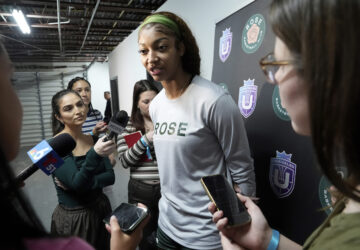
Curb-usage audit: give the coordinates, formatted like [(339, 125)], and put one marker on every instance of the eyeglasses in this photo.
[(270, 66)]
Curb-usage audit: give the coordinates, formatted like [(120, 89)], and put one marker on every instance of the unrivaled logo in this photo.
[(247, 98), (282, 174), (225, 44)]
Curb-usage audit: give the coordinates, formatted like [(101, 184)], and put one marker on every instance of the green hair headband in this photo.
[(164, 20)]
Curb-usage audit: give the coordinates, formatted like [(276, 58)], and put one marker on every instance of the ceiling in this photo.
[(89, 29)]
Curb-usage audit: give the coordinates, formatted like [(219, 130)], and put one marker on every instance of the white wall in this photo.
[(98, 76), (200, 15)]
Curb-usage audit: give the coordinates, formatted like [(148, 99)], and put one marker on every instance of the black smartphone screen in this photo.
[(128, 216), (223, 195)]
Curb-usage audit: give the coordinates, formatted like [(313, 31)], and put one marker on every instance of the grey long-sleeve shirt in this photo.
[(200, 133)]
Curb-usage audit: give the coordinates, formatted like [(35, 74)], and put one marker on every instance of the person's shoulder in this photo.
[(207, 89), (61, 132), (91, 139), (57, 244), (343, 232), (129, 125), (159, 97), (208, 85), (130, 128)]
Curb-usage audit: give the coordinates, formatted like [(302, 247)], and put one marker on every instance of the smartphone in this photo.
[(222, 194), (129, 216)]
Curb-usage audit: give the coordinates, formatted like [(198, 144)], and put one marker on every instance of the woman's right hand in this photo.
[(60, 184), (228, 244), (122, 241), (150, 135), (104, 148), (255, 235)]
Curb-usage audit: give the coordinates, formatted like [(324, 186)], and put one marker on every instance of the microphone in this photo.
[(117, 124), (47, 155)]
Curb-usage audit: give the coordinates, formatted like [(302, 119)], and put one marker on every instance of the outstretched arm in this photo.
[(130, 156), (255, 235)]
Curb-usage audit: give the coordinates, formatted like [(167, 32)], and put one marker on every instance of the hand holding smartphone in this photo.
[(129, 216), (224, 197)]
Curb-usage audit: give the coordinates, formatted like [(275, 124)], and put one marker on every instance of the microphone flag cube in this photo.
[(43, 156), (115, 127)]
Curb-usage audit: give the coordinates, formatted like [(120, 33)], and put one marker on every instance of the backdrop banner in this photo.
[(292, 190)]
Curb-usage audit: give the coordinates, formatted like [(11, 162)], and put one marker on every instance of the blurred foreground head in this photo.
[(323, 39)]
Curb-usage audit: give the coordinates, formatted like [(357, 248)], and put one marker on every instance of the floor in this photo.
[(39, 188)]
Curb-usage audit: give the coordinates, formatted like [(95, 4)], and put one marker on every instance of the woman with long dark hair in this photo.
[(198, 131), (315, 63), (144, 183), (82, 204)]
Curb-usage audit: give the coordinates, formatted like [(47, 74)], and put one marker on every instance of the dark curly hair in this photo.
[(191, 58)]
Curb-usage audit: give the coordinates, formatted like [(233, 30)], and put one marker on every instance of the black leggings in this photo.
[(149, 195)]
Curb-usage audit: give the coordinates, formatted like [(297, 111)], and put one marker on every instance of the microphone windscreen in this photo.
[(62, 144), (121, 118)]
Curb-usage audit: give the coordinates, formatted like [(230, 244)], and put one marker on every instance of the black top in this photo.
[(107, 113), (84, 176)]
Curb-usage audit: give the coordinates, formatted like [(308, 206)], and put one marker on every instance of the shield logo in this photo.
[(253, 33), (225, 45), (247, 98), (282, 174)]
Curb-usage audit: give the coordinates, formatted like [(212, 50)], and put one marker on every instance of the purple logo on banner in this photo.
[(282, 174), (225, 45), (247, 98)]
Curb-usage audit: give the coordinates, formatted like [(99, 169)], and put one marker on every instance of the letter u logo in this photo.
[(243, 102), (277, 177), (225, 47)]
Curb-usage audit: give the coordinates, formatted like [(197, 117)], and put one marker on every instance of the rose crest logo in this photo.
[(253, 33)]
